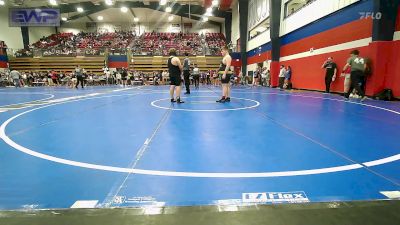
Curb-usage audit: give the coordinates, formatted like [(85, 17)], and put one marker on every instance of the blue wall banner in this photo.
[(46, 17)]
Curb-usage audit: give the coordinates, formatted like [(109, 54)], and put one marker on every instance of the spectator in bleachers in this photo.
[(147, 44)]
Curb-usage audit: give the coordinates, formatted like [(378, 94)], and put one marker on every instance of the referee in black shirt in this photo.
[(331, 69)]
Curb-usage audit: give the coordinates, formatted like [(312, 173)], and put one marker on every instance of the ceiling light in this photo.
[(205, 19), (170, 18), (209, 10), (168, 9), (108, 2), (136, 19), (79, 9), (64, 18), (2, 2), (53, 2), (100, 18), (124, 9), (163, 2), (214, 2)]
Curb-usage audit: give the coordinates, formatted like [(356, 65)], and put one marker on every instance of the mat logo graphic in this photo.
[(275, 197), (119, 199), (372, 15), (34, 17)]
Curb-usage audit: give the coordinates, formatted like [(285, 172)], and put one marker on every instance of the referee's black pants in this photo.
[(328, 81), (186, 77), (79, 79), (281, 82)]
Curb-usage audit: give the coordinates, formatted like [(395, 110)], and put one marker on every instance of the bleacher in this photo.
[(155, 63), (93, 64), (149, 51), (96, 64)]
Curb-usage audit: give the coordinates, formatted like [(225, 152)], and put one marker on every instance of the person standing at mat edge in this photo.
[(226, 72), (124, 76), (175, 71), (196, 76), (15, 75), (79, 76), (282, 73), (358, 67), (330, 75), (186, 73)]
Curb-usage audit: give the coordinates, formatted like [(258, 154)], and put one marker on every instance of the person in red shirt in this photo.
[(54, 77)]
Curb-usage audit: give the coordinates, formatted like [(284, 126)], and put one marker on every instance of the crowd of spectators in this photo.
[(109, 77), (150, 43), (116, 77), (66, 44), (69, 78), (43, 78), (214, 43), (159, 43)]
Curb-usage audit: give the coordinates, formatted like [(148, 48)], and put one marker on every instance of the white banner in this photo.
[(258, 12)]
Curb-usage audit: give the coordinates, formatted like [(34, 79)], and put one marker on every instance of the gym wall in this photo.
[(306, 46), (334, 35), (10, 35)]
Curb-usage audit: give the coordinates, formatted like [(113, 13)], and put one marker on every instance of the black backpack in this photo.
[(386, 95)]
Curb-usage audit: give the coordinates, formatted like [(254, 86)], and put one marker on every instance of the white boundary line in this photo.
[(205, 110), (21, 103), (218, 88), (43, 101), (190, 174)]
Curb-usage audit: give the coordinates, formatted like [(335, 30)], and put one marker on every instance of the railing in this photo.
[(134, 51), (288, 14)]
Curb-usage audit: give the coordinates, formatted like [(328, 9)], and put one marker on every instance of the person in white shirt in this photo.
[(165, 76), (282, 76), (240, 79), (118, 77), (15, 75), (263, 77), (107, 75), (256, 76), (24, 80), (196, 76)]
